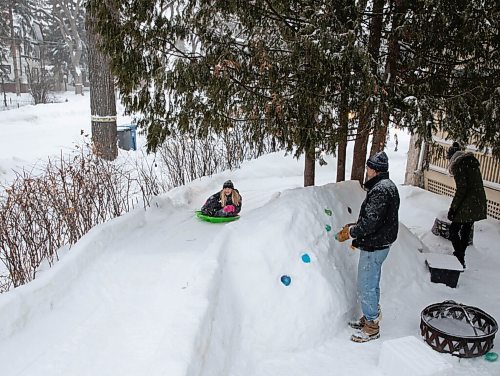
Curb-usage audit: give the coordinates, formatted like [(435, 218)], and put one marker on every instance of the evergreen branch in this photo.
[(283, 19)]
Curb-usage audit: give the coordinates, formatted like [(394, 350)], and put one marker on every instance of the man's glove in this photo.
[(343, 234), (229, 209), (451, 214)]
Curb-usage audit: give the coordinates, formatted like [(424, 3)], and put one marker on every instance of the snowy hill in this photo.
[(159, 292)]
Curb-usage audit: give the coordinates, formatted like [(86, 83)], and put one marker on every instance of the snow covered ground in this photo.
[(159, 292)]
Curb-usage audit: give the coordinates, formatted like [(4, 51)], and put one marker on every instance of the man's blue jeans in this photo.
[(369, 272)]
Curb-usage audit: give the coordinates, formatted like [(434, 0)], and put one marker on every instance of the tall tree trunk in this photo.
[(417, 150), (13, 49), (343, 125), (4, 93), (309, 166), (380, 133), (308, 122), (361, 144), (78, 82), (102, 94), (341, 159), (363, 132)]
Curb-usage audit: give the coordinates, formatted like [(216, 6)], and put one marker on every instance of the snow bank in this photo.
[(255, 314)]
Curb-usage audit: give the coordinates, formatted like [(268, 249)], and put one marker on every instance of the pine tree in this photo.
[(18, 14), (58, 55), (4, 33), (69, 21), (452, 69), (298, 71), (276, 66)]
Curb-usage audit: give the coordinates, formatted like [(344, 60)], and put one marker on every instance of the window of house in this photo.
[(5, 69), (34, 74)]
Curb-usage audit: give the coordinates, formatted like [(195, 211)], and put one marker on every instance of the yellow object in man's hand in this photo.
[(343, 234)]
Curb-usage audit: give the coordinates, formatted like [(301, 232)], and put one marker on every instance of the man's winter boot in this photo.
[(370, 331), (358, 324)]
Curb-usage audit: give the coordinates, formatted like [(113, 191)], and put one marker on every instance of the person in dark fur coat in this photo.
[(469, 202), (373, 233), (225, 203)]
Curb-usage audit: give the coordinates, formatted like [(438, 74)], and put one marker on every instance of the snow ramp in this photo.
[(257, 325)]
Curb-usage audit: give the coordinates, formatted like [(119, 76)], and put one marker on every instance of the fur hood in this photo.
[(456, 159)]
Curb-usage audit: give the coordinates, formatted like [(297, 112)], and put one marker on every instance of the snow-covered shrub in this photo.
[(42, 211)]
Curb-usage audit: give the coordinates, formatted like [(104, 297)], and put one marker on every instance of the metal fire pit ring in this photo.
[(460, 330)]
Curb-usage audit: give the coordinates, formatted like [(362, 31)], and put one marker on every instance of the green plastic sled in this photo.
[(215, 219)]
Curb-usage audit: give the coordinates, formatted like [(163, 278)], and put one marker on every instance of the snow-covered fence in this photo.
[(11, 103)]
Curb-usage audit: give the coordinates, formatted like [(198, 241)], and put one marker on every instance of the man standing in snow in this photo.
[(469, 202), (373, 233)]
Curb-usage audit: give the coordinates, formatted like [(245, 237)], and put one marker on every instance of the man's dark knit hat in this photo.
[(228, 184), (379, 162), (452, 150)]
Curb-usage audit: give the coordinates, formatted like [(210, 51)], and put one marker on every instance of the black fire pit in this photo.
[(460, 330)]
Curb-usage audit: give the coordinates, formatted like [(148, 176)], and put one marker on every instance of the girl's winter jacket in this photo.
[(214, 205)]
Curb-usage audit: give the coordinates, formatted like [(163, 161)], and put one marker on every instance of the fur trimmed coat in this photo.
[(469, 201)]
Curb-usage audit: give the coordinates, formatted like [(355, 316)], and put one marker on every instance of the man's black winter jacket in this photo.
[(378, 222)]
